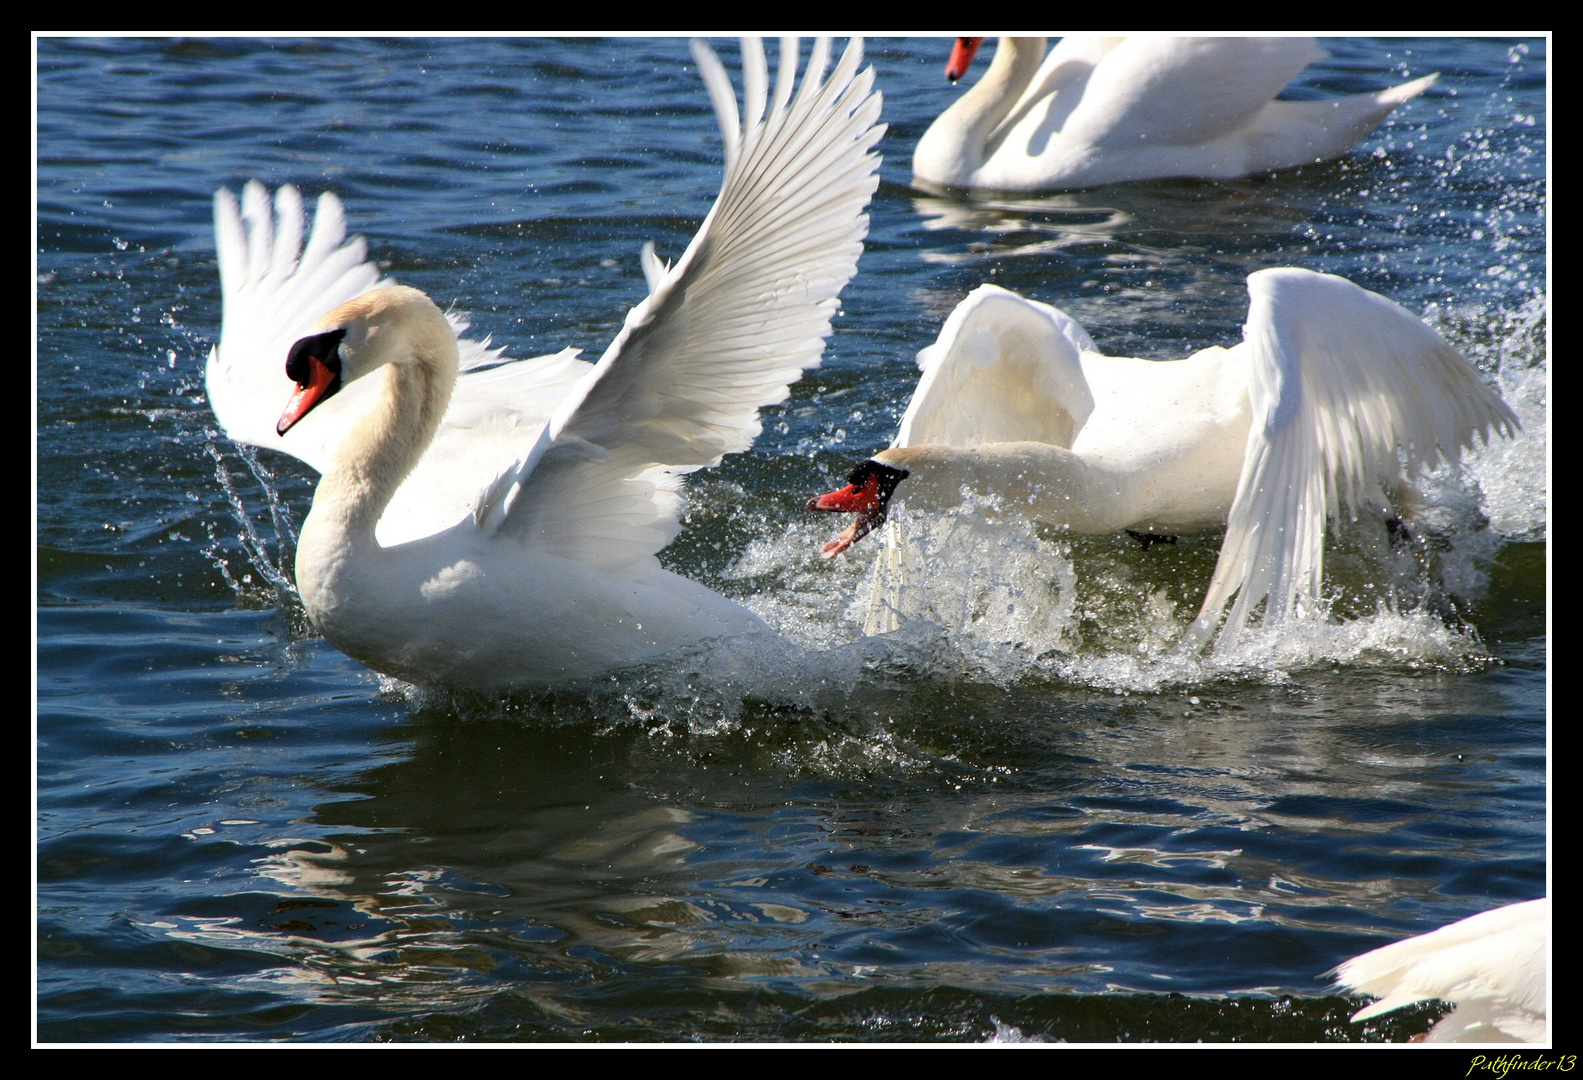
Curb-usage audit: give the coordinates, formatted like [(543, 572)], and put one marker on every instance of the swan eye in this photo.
[(325, 348)]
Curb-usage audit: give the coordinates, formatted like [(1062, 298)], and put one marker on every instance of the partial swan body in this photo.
[(1336, 397), (1492, 966), (484, 523), (1103, 110)]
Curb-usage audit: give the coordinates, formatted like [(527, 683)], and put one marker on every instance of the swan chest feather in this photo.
[(493, 620)]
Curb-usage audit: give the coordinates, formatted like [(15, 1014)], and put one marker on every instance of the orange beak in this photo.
[(314, 364), (962, 54), (309, 394), (867, 495)]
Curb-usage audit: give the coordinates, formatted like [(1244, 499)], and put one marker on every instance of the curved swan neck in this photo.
[(408, 352), (958, 142), (382, 449)]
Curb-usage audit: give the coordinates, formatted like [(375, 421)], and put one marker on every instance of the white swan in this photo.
[(499, 528), (1335, 395), (1492, 966), (1102, 110)]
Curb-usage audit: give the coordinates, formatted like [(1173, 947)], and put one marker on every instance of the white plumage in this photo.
[(1334, 400), (505, 534), (1102, 110), (1491, 966)]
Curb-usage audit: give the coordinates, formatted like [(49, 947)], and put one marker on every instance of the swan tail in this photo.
[(1292, 133), (1405, 92), (1352, 397)]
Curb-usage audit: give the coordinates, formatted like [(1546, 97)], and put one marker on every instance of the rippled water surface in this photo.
[(1031, 820)]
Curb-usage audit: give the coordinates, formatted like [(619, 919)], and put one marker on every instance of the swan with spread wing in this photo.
[(1335, 397), (1103, 110), (483, 523)]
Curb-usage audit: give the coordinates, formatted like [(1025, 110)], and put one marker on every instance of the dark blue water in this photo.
[(1033, 827)]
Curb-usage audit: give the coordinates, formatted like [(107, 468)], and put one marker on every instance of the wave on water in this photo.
[(1513, 474)]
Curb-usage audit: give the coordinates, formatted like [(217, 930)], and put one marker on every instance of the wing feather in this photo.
[(1491, 965), (1351, 395), (275, 289), (723, 332), (1004, 369)]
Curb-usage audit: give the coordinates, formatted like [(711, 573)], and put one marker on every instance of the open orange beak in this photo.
[(867, 494)]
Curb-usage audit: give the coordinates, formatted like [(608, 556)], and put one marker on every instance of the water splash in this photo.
[(256, 545), (995, 599)]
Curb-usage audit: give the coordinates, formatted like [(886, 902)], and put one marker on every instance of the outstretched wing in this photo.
[(1342, 381), (1004, 369), (723, 332), (276, 288)]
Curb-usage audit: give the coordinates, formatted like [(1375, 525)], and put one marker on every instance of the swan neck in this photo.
[(383, 447), (959, 141), (1025, 479)]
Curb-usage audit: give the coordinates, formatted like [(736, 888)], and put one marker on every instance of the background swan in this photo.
[(1101, 110), (498, 527), (1492, 966), (1335, 397)]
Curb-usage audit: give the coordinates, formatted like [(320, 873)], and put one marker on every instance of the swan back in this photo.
[(1109, 110)]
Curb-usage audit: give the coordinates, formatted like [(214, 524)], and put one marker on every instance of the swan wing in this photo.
[(1491, 965), (1149, 91), (274, 288), (1004, 369), (723, 332), (276, 285), (1062, 76), (1343, 384)]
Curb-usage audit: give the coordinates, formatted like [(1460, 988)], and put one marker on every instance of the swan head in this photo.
[(869, 487), (385, 326)]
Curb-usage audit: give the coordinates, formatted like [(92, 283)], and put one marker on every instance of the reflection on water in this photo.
[(568, 849), (1119, 222)]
